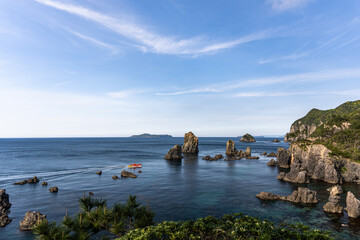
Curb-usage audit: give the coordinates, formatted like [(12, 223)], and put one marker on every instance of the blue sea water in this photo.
[(175, 190)]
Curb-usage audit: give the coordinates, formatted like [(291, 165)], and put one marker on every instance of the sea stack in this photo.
[(247, 138), (333, 205), (174, 153), (190, 145), (4, 208), (352, 205), (230, 149)]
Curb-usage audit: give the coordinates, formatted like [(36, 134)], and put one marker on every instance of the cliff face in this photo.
[(325, 145)]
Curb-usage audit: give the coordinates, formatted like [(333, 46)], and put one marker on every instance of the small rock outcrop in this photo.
[(174, 153), (272, 163), (230, 149), (352, 205), (30, 220), (276, 140), (333, 206), (127, 174), (283, 158), (99, 172), (44, 183), (53, 189), (115, 177), (302, 195), (272, 154), (32, 180), (247, 138), (4, 208), (190, 145), (217, 157)]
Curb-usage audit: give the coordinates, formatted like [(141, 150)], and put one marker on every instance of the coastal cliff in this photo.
[(325, 145)]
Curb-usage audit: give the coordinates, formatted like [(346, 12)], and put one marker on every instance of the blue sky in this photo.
[(217, 68)]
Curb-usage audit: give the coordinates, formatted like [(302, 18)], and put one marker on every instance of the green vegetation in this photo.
[(338, 129), (131, 221), (236, 226), (96, 219)]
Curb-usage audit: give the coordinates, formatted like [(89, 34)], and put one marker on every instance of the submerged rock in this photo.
[(333, 205), (30, 220), (127, 174), (54, 189), (352, 205), (174, 153), (5, 206), (272, 163), (302, 195), (230, 149), (190, 145), (272, 154), (247, 138)]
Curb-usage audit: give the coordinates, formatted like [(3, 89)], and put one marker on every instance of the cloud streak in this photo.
[(292, 78), (150, 41), (113, 50), (284, 5)]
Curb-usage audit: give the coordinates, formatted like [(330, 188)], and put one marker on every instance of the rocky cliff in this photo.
[(325, 145)]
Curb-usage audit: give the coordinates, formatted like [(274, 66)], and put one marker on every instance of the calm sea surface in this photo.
[(179, 190)]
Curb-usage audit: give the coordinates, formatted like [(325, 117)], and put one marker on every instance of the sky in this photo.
[(114, 68)]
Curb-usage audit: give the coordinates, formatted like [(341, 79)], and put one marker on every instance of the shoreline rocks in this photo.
[(31, 219), (247, 138), (301, 195), (283, 158), (333, 206), (191, 143), (5, 206), (174, 153), (272, 154)]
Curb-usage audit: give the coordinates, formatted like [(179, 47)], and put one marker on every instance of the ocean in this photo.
[(175, 190)]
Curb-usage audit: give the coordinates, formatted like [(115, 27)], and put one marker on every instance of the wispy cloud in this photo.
[(293, 78), (113, 49), (126, 93), (284, 5), (334, 43), (151, 41)]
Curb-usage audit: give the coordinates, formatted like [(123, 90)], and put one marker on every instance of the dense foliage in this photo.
[(131, 221), (237, 226), (96, 219), (338, 129)]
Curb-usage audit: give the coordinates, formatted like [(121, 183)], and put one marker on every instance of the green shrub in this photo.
[(236, 226), (95, 219)]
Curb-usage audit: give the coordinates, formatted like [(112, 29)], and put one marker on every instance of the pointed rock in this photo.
[(352, 205), (190, 145), (230, 149)]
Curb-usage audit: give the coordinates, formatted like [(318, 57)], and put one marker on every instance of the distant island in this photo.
[(147, 135)]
